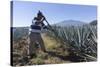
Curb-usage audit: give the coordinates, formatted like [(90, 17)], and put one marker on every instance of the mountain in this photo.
[(70, 23), (94, 22)]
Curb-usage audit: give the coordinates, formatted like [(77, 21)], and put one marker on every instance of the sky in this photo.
[(25, 11)]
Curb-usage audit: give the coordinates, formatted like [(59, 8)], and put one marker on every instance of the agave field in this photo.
[(63, 44), (81, 40)]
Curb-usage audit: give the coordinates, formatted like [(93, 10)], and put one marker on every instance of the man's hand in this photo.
[(44, 18), (45, 27)]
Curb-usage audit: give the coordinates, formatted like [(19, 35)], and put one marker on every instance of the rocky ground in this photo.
[(56, 53)]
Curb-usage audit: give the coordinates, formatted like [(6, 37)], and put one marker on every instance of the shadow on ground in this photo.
[(71, 57)]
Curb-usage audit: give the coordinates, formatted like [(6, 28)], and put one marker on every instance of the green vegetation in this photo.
[(19, 32), (81, 40), (63, 45)]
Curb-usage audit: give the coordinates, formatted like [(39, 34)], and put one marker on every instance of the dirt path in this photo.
[(55, 48)]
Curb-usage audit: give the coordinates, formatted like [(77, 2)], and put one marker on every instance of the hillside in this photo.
[(94, 22), (70, 23), (19, 32), (62, 46), (56, 53)]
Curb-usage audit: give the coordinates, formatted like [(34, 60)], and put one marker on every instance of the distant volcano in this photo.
[(70, 23)]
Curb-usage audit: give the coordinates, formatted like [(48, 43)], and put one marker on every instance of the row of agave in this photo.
[(82, 40)]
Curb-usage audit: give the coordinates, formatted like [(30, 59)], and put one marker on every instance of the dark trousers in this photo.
[(34, 38)]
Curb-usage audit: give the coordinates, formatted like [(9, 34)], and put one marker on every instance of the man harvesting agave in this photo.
[(35, 34)]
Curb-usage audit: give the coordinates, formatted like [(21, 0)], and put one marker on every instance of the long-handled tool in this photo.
[(49, 25)]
